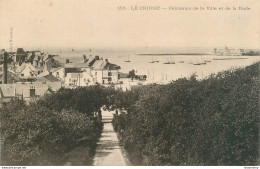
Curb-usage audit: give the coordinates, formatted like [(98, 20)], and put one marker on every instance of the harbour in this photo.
[(171, 65)]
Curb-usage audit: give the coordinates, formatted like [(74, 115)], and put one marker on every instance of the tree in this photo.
[(132, 74)]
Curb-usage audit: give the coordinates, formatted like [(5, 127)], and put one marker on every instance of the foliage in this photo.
[(87, 100), (132, 74), (42, 133), (189, 122)]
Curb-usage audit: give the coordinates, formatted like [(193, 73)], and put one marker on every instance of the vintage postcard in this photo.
[(129, 82)]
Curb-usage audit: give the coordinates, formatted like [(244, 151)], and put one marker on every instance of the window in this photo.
[(39, 72), (96, 73), (57, 74), (32, 91), (69, 80), (109, 73), (22, 75)]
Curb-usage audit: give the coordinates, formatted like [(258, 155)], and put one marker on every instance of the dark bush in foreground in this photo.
[(189, 122), (42, 133)]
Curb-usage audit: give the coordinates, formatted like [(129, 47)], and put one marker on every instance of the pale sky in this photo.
[(98, 23)]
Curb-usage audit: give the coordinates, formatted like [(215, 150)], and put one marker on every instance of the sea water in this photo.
[(163, 73)]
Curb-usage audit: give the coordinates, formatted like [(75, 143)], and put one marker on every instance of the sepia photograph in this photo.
[(130, 83)]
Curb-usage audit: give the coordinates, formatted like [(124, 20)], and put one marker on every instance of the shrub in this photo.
[(189, 122), (42, 134)]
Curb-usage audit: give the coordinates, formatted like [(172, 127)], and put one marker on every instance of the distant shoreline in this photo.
[(175, 54)]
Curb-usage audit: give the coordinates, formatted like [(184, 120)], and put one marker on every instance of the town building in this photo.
[(104, 72), (23, 90), (11, 77), (79, 79), (52, 82), (93, 70), (27, 72), (228, 52)]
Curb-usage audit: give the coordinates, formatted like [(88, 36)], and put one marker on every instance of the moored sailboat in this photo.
[(169, 62), (128, 60)]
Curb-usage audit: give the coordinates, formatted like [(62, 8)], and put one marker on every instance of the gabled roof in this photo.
[(45, 57), (23, 66), (104, 65), (48, 77), (55, 69), (99, 65), (54, 86), (44, 73), (52, 63), (90, 60), (111, 66)]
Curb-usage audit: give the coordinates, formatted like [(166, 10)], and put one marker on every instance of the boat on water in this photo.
[(169, 62), (200, 63), (128, 60), (154, 61)]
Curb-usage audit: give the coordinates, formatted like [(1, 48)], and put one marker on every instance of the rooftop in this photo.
[(48, 77), (76, 65)]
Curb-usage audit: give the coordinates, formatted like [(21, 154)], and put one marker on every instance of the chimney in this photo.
[(106, 60), (97, 57), (67, 61), (84, 58), (35, 62), (5, 68)]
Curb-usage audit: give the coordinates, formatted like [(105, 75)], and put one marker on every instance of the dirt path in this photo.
[(109, 152)]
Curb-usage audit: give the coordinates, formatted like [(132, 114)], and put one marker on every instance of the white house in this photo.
[(59, 73), (26, 71), (105, 72), (78, 79)]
